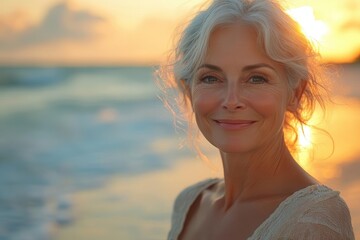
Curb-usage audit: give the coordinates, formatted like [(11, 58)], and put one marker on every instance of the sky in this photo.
[(141, 31)]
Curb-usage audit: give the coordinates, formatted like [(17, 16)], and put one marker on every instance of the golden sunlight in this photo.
[(304, 136), (313, 29), (304, 143)]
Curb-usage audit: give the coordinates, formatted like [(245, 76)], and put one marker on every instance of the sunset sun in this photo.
[(313, 29)]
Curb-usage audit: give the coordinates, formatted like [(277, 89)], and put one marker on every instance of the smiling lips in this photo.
[(230, 124)]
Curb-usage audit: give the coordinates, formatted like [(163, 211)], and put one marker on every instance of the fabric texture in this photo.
[(315, 212)]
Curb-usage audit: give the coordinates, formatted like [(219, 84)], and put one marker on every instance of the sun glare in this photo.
[(304, 146), (313, 29), (304, 136)]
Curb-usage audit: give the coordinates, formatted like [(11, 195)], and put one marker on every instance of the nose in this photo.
[(232, 99)]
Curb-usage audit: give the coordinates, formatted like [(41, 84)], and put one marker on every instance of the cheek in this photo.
[(269, 104), (203, 101)]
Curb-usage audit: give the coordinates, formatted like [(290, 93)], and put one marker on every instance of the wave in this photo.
[(30, 77)]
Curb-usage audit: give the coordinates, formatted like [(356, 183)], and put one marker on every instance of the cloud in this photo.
[(60, 23), (145, 43), (350, 172), (350, 21), (71, 36), (351, 25)]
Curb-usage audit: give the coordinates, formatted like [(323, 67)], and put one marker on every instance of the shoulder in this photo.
[(324, 216), (190, 193), (325, 204), (183, 203)]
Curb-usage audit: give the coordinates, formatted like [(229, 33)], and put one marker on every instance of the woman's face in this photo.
[(239, 96)]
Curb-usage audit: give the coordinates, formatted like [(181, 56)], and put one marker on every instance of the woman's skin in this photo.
[(239, 97)]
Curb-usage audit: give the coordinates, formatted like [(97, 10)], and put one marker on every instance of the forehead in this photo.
[(236, 45), (236, 34)]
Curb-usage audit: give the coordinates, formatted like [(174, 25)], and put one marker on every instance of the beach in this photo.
[(91, 153)]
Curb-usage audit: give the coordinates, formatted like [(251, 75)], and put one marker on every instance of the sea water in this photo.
[(66, 129)]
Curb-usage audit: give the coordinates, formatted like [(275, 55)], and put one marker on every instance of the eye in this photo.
[(257, 79), (209, 79)]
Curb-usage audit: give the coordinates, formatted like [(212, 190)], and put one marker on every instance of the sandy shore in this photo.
[(137, 207)]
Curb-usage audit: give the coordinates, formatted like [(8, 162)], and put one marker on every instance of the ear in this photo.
[(296, 96)]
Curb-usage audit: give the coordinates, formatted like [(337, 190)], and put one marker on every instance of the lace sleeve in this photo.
[(328, 219)]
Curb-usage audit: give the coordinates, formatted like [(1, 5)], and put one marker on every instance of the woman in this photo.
[(249, 76)]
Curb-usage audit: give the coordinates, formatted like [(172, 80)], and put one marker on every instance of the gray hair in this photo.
[(278, 35)]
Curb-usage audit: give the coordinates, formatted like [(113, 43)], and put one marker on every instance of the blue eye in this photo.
[(209, 79), (257, 79)]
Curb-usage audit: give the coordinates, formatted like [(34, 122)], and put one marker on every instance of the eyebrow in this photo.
[(246, 68)]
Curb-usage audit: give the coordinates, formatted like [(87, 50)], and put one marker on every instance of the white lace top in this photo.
[(315, 212)]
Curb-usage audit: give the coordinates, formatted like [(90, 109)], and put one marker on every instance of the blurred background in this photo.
[(87, 150)]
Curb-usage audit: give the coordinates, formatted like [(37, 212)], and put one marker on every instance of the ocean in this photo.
[(66, 131)]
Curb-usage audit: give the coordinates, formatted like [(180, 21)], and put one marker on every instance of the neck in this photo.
[(252, 175)]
